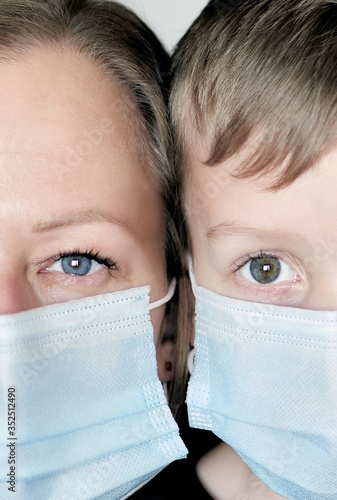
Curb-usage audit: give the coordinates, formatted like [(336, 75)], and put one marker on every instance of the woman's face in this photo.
[(79, 216)]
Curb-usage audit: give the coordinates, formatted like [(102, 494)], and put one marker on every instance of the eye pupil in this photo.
[(77, 266), (265, 269)]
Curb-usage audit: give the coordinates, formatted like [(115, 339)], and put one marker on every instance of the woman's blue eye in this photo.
[(266, 269), (76, 265)]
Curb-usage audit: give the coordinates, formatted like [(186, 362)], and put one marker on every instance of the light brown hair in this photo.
[(263, 69), (128, 50)]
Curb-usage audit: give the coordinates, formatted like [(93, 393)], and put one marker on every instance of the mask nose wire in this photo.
[(167, 297)]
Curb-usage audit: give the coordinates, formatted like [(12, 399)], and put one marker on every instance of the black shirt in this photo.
[(178, 481)]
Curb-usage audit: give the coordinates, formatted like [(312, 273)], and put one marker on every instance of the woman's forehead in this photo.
[(52, 85), (68, 129)]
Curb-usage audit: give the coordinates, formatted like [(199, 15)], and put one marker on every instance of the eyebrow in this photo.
[(230, 229), (78, 218)]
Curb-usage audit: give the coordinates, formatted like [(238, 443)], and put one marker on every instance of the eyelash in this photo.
[(89, 254), (249, 258)]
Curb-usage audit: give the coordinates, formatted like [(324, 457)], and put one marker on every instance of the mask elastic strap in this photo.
[(191, 273), (167, 297)]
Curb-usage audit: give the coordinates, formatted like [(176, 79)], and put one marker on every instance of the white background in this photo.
[(169, 19)]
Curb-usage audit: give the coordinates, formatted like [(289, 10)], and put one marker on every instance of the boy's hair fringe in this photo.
[(264, 70)]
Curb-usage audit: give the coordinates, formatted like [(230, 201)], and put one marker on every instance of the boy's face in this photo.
[(277, 247)]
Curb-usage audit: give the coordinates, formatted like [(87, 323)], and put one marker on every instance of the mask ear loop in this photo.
[(165, 389), (168, 296), (191, 354), (191, 273), (190, 360), (158, 303)]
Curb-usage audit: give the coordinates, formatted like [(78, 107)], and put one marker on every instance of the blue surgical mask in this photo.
[(265, 381), (91, 418)]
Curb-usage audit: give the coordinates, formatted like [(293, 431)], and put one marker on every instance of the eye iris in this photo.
[(265, 269), (76, 265)]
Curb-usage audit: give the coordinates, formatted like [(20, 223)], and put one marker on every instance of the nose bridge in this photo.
[(322, 294)]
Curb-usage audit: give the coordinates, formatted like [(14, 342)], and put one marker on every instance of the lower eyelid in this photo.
[(270, 289)]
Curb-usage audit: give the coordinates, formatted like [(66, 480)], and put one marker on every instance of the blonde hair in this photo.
[(128, 50), (263, 69)]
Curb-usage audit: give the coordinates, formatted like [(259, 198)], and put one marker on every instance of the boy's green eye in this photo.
[(265, 270)]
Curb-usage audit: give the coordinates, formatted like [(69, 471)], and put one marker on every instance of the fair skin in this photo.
[(79, 214), (227, 477), (289, 235)]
